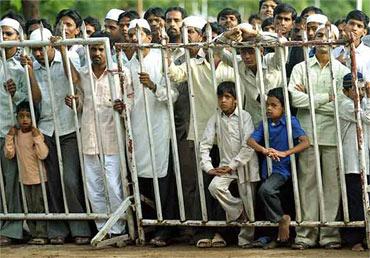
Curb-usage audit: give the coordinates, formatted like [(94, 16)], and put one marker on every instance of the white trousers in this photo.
[(233, 206), (96, 190)]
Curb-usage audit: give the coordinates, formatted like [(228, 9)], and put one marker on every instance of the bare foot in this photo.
[(284, 223), (358, 247)]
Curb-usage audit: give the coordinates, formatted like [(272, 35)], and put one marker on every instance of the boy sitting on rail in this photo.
[(279, 152), (234, 154)]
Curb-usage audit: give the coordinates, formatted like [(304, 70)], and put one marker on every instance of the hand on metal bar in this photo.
[(26, 60), (119, 106), (146, 81), (10, 87), (68, 100)]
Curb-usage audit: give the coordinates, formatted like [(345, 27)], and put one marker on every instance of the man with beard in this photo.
[(320, 78), (174, 17), (14, 85)]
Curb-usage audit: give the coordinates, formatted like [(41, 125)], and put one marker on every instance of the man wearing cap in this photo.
[(111, 25), (59, 230), (15, 85), (313, 22), (355, 237), (150, 79), (320, 81)]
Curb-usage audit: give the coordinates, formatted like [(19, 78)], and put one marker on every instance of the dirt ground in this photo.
[(174, 251)]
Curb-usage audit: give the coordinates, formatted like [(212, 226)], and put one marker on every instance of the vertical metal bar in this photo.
[(250, 207), (175, 153), (342, 178), (55, 121), (2, 189), (6, 75), (32, 109), (196, 138), (263, 106), (314, 136), (74, 108), (150, 135), (130, 156), (293, 164), (360, 143), (119, 133)]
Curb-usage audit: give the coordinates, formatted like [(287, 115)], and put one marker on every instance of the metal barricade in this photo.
[(130, 180)]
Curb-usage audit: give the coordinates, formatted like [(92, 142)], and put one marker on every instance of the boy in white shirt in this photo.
[(233, 156)]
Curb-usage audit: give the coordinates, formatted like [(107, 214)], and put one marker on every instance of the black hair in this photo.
[(298, 19), (358, 16), (16, 16), (285, 8), (131, 14), (93, 22), (314, 9), (71, 13), (279, 94), (254, 16), (226, 87), (262, 1), (31, 22), (229, 11), (216, 28), (347, 80), (339, 21), (24, 105), (102, 34), (178, 9), (267, 22), (156, 11)]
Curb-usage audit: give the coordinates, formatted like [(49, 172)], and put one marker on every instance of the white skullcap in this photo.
[(333, 30), (197, 22), (319, 18), (245, 25), (141, 22), (36, 34), (11, 23), (113, 14)]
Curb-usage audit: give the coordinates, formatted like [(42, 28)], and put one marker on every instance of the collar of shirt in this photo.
[(57, 58), (281, 121), (85, 70), (312, 61), (234, 113)]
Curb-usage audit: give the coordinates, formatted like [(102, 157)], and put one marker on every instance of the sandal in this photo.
[(300, 246), (218, 241), (204, 243), (158, 242), (333, 245), (38, 241)]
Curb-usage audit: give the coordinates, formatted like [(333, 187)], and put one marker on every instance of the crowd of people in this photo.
[(39, 141)]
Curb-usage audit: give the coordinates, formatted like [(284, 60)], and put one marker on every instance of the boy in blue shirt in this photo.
[(279, 152)]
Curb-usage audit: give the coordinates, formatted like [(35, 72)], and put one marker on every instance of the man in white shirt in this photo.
[(59, 230), (150, 80)]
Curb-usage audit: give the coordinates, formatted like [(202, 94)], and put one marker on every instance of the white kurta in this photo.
[(159, 117)]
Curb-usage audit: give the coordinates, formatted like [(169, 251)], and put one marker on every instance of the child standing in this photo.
[(279, 152), (354, 236), (233, 156), (29, 146)]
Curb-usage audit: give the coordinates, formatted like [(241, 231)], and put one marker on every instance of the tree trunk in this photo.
[(31, 9)]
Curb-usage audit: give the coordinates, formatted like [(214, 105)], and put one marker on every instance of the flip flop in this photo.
[(218, 241), (204, 243)]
